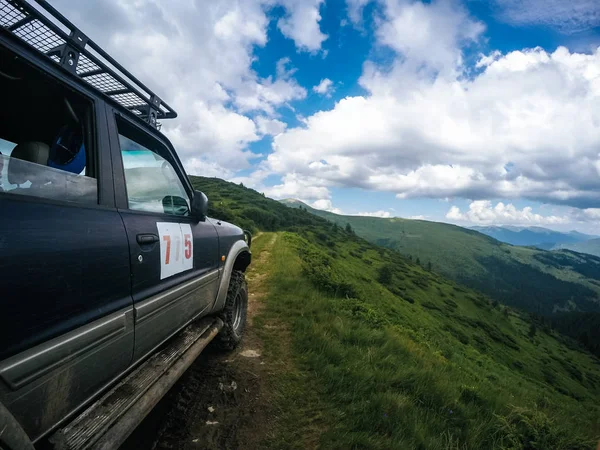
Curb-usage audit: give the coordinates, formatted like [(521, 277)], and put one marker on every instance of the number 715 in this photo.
[(187, 243)]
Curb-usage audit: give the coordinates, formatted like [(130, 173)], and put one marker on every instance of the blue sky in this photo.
[(470, 112), (348, 47)]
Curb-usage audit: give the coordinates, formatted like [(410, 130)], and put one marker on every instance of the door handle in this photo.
[(146, 239)]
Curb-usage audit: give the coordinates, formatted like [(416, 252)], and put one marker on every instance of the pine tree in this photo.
[(532, 330), (348, 228)]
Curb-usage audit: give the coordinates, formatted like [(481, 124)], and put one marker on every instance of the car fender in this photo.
[(236, 250)]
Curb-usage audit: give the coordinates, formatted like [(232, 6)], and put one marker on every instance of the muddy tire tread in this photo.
[(228, 339)]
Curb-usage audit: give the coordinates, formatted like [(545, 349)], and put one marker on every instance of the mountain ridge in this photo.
[(540, 237)]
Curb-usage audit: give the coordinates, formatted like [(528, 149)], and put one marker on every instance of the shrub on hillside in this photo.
[(364, 312), (491, 330), (480, 343), (573, 371), (384, 275), (469, 394), (518, 365), (458, 334), (421, 281), (430, 305), (355, 254), (321, 271), (451, 304), (321, 236), (550, 376)]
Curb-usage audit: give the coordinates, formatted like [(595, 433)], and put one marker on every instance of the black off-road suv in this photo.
[(112, 277)]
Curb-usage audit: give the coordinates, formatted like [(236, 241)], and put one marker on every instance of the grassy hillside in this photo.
[(591, 247), (536, 280), (389, 355)]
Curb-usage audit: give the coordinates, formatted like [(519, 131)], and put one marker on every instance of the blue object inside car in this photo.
[(68, 151)]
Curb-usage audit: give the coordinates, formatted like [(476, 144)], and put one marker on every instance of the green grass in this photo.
[(539, 281), (386, 373), (369, 350)]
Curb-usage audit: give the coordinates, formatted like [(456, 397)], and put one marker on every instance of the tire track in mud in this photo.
[(222, 400)]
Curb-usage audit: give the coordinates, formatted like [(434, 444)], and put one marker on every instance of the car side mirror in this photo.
[(175, 205), (199, 205)]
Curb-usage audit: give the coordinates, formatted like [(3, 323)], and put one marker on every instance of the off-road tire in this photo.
[(235, 319), (12, 436)]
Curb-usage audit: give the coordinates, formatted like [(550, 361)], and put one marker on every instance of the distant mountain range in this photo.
[(523, 276), (543, 238)]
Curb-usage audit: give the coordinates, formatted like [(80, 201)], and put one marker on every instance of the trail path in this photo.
[(222, 400)]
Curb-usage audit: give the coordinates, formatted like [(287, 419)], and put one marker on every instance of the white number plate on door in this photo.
[(176, 248)]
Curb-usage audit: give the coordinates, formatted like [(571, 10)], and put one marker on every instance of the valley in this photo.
[(532, 279)]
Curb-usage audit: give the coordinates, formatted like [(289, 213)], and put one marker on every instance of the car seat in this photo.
[(32, 151)]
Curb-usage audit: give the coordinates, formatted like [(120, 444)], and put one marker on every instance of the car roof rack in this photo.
[(55, 36)]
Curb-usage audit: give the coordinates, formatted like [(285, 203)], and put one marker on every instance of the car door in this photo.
[(174, 257), (66, 326)]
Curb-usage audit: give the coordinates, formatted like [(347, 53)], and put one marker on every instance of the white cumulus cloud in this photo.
[(588, 215), (430, 34), (380, 213), (484, 212), (270, 126), (301, 188), (355, 9), (301, 23), (325, 87), (326, 205), (522, 124), (566, 16)]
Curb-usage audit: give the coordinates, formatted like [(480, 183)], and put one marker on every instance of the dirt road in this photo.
[(222, 400)]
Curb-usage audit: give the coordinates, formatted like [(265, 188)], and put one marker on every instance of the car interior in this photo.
[(43, 140)]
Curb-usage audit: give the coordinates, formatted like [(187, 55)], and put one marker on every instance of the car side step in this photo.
[(106, 423)]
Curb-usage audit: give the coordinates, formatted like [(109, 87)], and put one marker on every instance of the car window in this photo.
[(152, 183), (45, 149)]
